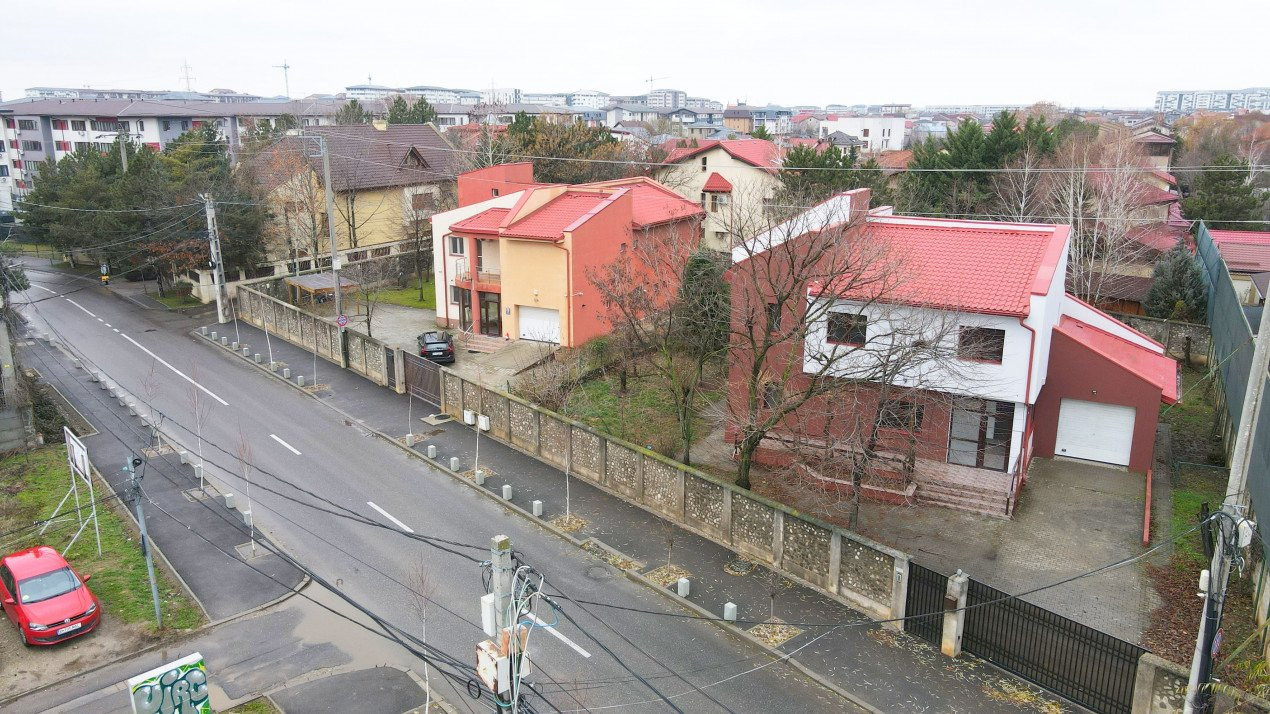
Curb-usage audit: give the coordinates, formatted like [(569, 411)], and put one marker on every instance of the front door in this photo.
[(491, 318), (465, 309), (981, 433)]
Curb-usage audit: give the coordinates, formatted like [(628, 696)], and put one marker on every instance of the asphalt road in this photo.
[(311, 457)]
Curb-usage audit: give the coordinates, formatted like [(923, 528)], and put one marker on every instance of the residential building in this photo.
[(876, 133), (739, 118), (733, 180), (546, 99), (517, 262), (1157, 148), (362, 92), (501, 96), (1247, 256), (896, 109), (1017, 368), (588, 99), (434, 95), (975, 109), (215, 95), (667, 98), (701, 103), (1212, 100), (387, 181)]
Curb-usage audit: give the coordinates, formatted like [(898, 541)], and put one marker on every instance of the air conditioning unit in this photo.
[(482, 422), (469, 417)]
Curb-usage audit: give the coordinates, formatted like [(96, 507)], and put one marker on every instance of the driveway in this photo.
[(1074, 517)]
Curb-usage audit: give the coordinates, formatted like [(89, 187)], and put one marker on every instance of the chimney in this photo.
[(380, 125)]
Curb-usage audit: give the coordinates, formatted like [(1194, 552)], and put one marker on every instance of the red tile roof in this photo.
[(485, 222), (651, 202), (558, 215), (1166, 177), (1158, 237), (968, 266), (1220, 237), (1245, 257), (1153, 137), (895, 160), (1155, 368), (717, 184), (757, 152)]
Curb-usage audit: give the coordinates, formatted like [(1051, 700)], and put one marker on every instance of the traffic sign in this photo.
[(342, 320)]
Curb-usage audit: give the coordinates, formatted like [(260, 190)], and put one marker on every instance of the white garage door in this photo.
[(1093, 431), (539, 324)]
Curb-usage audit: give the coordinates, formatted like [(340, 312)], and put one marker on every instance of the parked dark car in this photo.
[(437, 346)]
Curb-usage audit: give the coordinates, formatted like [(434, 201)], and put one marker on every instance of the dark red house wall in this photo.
[(1076, 372)]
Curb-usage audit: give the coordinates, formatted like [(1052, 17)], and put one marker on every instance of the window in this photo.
[(721, 237), (703, 163), (493, 192), (773, 395), (26, 124), (458, 245), (864, 133), (13, 143), (62, 145), (82, 145), (125, 127), (773, 316), (167, 125), (79, 125), (106, 125), (423, 202), (980, 433), (982, 344), (185, 125), (4, 171), (886, 132), (900, 414), (59, 124), (456, 294), (717, 200), (380, 252), (28, 145), (141, 125), (848, 329)]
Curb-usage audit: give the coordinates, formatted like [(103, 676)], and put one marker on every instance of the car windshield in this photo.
[(48, 585)]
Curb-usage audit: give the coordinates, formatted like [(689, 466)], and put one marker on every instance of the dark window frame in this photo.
[(981, 344), (901, 415), (858, 327)]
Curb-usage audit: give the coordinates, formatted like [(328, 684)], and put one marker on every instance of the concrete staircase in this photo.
[(963, 497), (473, 342)]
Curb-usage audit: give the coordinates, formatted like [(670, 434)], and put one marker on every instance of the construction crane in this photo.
[(652, 79)]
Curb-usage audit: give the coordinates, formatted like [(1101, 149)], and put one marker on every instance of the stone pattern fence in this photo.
[(851, 569), (1177, 337), (361, 354)]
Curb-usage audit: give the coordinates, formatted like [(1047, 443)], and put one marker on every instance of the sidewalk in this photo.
[(882, 669), (263, 639)]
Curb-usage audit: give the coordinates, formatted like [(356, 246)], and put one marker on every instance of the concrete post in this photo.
[(725, 517), (409, 440), (729, 611), (537, 508), (286, 373), (454, 463), (954, 613), (234, 345), (683, 587), (299, 380), (256, 357), (432, 451), (224, 341), (214, 336), (899, 595), (507, 492), (778, 536), (229, 501)]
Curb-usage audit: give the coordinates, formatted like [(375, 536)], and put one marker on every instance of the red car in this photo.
[(45, 597)]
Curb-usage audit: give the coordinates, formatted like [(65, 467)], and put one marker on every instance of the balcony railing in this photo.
[(486, 275)]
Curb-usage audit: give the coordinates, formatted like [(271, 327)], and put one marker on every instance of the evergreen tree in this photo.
[(399, 111), (761, 133), (703, 307), (1003, 141), (352, 113), (402, 112), (1177, 288), (808, 175), (1222, 197)]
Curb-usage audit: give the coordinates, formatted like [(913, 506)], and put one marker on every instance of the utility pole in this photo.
[(498, 659), (218, 270), (123, 150), (330, 225), (134, 488), (1235, 506), (286, 76)]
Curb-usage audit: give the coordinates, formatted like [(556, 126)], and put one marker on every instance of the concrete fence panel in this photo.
[(623, 468), (524, 427), (588, 453), (703, 504), (554, 440)]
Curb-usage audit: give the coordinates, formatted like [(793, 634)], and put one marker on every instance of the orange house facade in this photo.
[(515, 264)]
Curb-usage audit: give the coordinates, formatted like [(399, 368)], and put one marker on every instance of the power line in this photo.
[(107, 210)]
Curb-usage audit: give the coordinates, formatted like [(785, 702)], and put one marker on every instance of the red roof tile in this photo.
[(717, 184), (968, 266), (1245, 257), (1158, 237), (1220, 237), (551, 220), (1166, 177), (651, 202), (484, 222), (895, 160), (1155, 368), (757, 152), (1153, 137)]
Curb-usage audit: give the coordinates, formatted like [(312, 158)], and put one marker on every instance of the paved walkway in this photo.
[(263, 638), (883, 670)]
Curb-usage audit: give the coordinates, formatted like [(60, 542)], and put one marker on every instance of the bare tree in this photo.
[(370, 277), (1022, 189), (423, 587), (301, 220), (245, 458), (353, 210), (201, 407)]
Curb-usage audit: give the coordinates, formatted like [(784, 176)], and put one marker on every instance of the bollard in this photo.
[(410, 439), (432, 451), (104, 384), (132, 408), (185, 457), (246, 352), (683, 587), (480, 477), (454, 463), (538, 508), (203, 330), (273, 366), (198, 474), (122, 401), (256, 357), (299, 379), (224, 340), (214, 337), (729, 611), (234, 345), (229, 501), (286, 373), (247, 517), (96, 376), (75, 361), (507, 492)]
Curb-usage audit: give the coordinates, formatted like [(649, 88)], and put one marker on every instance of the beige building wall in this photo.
[(538, 280), (745, 215)]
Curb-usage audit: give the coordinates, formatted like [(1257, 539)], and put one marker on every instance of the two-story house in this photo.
[(515, 260), (733, 180), (1013, 366)]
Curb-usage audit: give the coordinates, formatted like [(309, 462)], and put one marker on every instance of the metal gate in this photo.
[(1091, 668), (390, 366), (924, 604), (423, 378)]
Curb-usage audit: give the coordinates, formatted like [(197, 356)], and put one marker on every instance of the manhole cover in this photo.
[(598, 573), (739, 566)]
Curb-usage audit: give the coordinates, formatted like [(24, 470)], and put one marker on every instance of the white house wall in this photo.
[(1073, 307), (444, 264)]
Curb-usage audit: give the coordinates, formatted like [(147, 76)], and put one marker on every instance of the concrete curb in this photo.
[(581, 544)]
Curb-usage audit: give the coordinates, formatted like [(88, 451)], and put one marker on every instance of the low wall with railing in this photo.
[(846, 566)]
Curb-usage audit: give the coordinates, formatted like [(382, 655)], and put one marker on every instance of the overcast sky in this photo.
[(1075, 52)]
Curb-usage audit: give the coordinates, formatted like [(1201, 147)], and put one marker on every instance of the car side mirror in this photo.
[(87, 577), (9, 601)]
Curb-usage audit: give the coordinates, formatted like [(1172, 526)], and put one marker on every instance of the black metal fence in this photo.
[(423, 378), (1088, 667), (926, 589)]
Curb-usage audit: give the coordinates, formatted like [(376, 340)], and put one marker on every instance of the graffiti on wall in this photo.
[(178, 687)]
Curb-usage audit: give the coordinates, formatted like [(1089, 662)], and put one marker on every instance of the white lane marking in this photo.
[(558, 636), (390, 517), (108, 325), (100, 320), (116, 329), (81, 307), (41, 287), (179, 373), (290, 448)]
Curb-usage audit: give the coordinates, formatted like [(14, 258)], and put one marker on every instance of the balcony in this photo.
[(485, 278)]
